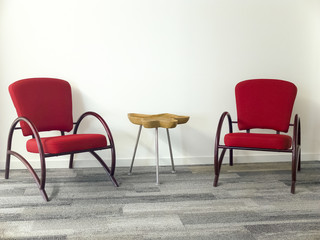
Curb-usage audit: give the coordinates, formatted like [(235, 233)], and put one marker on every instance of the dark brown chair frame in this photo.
[(42, 180), (295, 150)]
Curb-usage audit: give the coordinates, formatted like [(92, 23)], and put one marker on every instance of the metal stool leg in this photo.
[(135, 150), (170, 148), (157, 157), (157, 152)]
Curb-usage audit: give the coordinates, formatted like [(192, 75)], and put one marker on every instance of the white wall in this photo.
[(148, 56)]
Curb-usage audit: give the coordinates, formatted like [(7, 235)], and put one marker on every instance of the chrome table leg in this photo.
[(170, 148), (135, 150), (157, 156)]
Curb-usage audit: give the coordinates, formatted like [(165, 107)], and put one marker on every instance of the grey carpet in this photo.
[(252, 201)]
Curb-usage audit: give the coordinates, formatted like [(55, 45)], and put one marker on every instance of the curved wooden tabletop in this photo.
[(164, 120)]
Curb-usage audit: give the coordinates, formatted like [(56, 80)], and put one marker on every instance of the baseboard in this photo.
[(63, 162)]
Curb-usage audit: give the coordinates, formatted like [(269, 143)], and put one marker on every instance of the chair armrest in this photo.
[(102, 121), (36, 135), (35, 132), (219, 128)]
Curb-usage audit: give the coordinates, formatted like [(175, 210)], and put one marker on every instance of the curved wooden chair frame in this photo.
[(41, 181), (295, 150)]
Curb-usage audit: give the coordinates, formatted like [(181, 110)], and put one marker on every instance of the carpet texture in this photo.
[(252, 201)]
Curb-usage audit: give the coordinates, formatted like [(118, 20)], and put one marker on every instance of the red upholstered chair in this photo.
[(261, 104), (45, 104)]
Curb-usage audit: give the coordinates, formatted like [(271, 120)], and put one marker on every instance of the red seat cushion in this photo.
[(68, 143), (258, 140)]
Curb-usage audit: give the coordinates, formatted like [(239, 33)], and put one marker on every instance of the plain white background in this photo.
[(156, 56)]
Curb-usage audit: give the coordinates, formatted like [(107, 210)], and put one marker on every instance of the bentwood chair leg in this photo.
[(170, 149), (8, 158), (217, 165), (294, 171), (293, 187), (231, 157), (7, 167), (71, 160), (299, 160), (135, 150), (157, 156), (106, 168), (44, 195)]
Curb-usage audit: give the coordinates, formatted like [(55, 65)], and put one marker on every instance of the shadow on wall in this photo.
[(3, 98), (77, 101), (89, 124), (309, 112)]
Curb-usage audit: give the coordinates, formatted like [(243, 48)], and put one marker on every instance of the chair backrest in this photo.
[(265, 104), (47, 102)]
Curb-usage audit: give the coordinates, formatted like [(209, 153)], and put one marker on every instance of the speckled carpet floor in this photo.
[(252, 201)]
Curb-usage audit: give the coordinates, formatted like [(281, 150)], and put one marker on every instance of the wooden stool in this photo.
[(164, 120)]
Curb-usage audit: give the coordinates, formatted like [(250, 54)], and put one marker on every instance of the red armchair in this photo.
[(45, 104), (261, 104)]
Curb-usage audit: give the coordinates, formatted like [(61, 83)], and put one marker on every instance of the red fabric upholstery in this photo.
[(258, 140), (47, 102), (265, 103), (68, 143)]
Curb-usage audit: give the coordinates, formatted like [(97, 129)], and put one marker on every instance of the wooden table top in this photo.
[(164, 120)]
